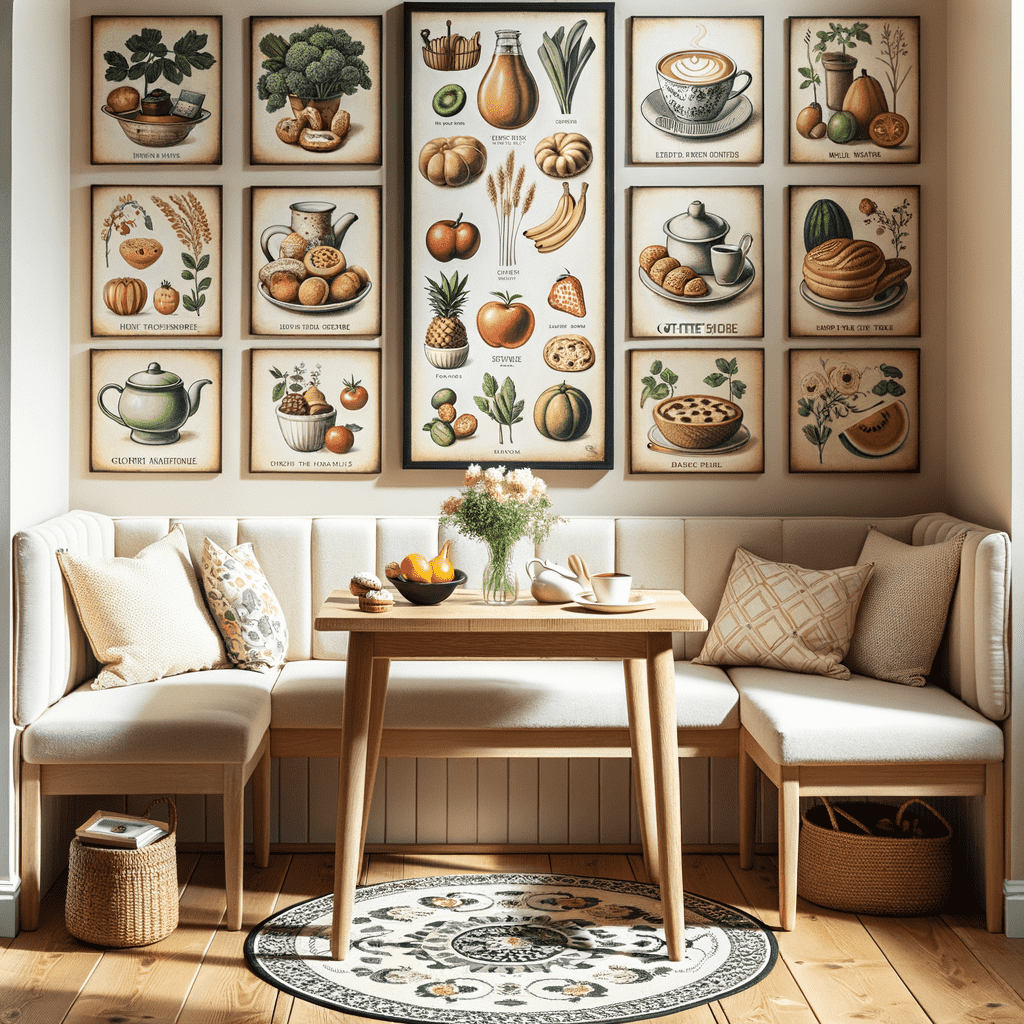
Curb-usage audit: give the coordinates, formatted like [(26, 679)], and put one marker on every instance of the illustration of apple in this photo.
[(505, 324), (452, 240)]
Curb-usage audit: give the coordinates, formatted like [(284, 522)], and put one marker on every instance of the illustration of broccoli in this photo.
[(318, 63)]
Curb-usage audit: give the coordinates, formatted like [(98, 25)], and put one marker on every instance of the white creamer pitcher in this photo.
[(551, 583)]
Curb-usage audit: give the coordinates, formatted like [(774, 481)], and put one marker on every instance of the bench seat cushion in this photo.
[(217, 716), (499, 695), (800, 719)]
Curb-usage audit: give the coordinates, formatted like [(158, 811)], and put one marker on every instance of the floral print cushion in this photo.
[(244, 607)]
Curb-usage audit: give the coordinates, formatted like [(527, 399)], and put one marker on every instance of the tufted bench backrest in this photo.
[(306, 557)]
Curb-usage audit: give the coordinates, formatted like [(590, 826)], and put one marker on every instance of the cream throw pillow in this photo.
[(144, 616), (244, 606), (782, 616), (903, 615)]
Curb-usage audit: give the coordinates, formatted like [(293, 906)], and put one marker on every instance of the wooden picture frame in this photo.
[(302, 440), (868, 67), (519, 222), (712, 236), (156, 84), (345, 223), (166, 417), (693, 391), (275, 135), (157, 266), (854, 410), (855, 263), (696, 90)]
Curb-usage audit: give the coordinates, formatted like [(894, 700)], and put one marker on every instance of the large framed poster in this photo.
[(508, 227)]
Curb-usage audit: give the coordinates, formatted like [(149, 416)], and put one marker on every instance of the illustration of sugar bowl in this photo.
[(154, 404)]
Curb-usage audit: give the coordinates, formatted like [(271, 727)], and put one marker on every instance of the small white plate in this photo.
[(637, 603)]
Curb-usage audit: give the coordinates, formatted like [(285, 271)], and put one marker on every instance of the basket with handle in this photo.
[(871, 858), (122, 898)]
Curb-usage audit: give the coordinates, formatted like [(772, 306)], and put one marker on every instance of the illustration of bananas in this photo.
[(563, 223)]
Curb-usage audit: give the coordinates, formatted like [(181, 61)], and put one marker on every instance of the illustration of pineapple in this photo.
[(446, 299)]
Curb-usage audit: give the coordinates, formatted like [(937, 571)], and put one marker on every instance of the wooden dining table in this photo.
[(464, 627)]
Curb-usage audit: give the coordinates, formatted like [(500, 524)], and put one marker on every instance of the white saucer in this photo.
[(327, 307), (637, 603), (657, 442), (716, 292), (659, 114), (892, 296)]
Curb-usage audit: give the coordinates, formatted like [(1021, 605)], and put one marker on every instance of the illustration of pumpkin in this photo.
[(124, 296), (865, 100), (562, 413), (825, 220), (454, 161)]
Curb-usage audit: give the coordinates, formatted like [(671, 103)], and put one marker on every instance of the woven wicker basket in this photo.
[(121, 898), (847, 862)]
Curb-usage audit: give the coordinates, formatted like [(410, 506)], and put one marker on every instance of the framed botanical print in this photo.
[(156, 261), (696, 410), (696, 90), (854, 410), (509, 145), (854, 261), (315, 411), (696, 262), (316, 260), (854, 89), (155, 410), (156, 89), (316, 90)]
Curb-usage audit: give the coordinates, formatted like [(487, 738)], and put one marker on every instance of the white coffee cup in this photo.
[(728, 260), (611, 587), (696, 84)]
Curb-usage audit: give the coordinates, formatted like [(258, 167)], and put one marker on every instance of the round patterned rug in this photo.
[(511, 949)]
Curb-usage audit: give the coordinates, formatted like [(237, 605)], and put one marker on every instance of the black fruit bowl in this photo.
[(427, 593)]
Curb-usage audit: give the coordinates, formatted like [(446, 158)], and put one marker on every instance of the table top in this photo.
[(465, 611)]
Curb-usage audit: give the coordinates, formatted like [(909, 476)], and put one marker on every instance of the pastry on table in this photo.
[(363, 583), (376, 601)]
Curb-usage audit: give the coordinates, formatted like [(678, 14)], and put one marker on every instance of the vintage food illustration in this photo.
[(315, 411), (696, 262), (156, 90), (854, 410), (155, 410), (854, 90), (316, 260), (696, 410), (696, 91), (509, 137), (316, 90), (855, 265), (156, 261)]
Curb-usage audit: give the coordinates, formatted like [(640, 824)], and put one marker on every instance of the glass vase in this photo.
[(501, 582)]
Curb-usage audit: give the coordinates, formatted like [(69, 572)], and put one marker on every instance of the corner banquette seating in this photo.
[(208, 732)]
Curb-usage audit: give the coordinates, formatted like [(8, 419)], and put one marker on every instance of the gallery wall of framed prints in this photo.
[(571, 236)]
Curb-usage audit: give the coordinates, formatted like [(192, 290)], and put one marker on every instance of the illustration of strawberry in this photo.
[(567, 295)]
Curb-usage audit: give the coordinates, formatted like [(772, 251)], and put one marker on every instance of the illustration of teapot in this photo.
[(154, 404), (312, 220), (551, 583)]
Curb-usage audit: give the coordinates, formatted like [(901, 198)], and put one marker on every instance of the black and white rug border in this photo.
[(708, 990)]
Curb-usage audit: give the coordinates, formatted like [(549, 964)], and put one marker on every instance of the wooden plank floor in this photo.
[(833, 968)]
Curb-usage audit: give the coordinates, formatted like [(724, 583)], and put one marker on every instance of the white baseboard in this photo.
[(10, 898), (1013, 901)]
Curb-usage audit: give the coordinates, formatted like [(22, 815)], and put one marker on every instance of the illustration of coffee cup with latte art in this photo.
[(697, 83)]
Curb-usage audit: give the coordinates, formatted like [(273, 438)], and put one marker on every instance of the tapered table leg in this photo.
[(351, 781), (638, 711), (378, 696), (661, 691)]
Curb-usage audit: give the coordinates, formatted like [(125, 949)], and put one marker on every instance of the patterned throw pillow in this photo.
[(144, 616), (244, 607), (903, 617), (782, 616)]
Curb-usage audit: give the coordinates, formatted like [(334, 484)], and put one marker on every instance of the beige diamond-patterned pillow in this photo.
[(783, 616)]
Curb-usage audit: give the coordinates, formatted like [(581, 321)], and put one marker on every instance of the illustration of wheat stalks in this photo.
[(193, 229), (505, 190)]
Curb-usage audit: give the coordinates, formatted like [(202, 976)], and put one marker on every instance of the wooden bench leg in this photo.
[(234, 842), (994, 847), (261, 808), (31, 842), (747, 809), (789, 833)]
